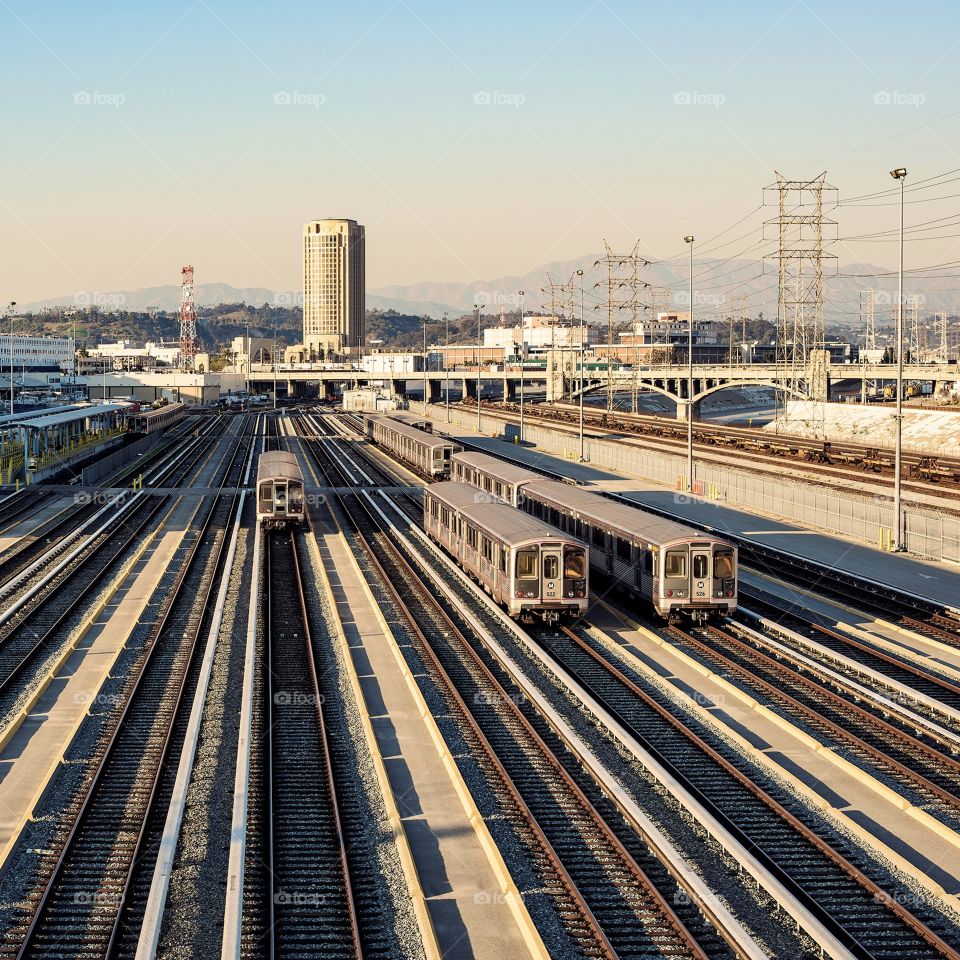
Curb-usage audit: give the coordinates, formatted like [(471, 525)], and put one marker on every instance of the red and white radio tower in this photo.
[(188, 319)]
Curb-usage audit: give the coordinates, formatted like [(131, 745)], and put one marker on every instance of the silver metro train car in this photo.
[(680, 571), (427, 454), (280, 499), (530, 569)]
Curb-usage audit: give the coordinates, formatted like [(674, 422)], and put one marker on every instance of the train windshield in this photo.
[(675, 564), (266, 491), (723, 563), (296, 496), (527, 565), (701, 564), (574, 565)]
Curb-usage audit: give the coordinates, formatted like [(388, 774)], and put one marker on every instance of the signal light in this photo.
[(669, 593)]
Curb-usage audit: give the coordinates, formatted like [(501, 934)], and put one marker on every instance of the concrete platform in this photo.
[(928, 851), (32, 754), (938, 581), (470, 915)]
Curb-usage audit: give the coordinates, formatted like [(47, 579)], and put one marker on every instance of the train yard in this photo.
[(263, 695)]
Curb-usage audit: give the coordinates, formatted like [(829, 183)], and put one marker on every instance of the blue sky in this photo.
[(472, 142)]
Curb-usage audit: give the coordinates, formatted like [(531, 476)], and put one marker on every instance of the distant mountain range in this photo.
[(716, 283)]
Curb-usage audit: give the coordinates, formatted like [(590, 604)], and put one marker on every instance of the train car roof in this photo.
[(628, 522), (508, 472), (421, 436), (156, 411), (506, 523), (274, 464)]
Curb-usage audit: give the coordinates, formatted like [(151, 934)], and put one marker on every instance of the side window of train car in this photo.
[(723, 563), (675, 564), (487, 549), (434, 508), (597, 536), (472, 538), (504, 554), (444, 517), (623, 549)]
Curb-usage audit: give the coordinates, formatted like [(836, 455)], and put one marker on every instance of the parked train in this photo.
[(152, 420), (280, 499), (678, 570), (528, 567), (412, 420), (427, 454)]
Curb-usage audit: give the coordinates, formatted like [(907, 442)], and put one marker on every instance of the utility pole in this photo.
[(478, 370), (446, 363), (582, 338), (899, 174), (523, 357), (689, 241), (10, 307)]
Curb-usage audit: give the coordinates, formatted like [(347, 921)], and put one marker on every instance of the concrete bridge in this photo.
[(560, 378)]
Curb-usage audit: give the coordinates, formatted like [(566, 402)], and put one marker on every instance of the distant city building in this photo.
[(334, 281), (674, 328), (536, 335), (37, 352), (129, 355)]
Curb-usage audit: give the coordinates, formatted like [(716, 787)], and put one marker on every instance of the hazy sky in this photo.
[(472, 140)]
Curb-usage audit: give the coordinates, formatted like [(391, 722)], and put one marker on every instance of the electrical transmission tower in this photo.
[(563, 304), (801, 233), (944, 352), (188, 320), (622, 285), (915, 348), (868, 320)]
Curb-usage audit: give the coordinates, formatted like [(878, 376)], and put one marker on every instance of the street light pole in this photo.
[(582, 457), (273, 357), (425, 364), (689, 241), (899, 174), (13, 303), (523, 357), (446, 363), (478, 370)]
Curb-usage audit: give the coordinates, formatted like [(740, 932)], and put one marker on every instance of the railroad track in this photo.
[(742, 442), (822, 872), (901, 668), (88, 902), (614, 893), (308, 903), (881, 741), (38, 629), (45, 539)]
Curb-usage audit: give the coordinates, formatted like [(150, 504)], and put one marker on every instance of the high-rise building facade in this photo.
[(333, 286)]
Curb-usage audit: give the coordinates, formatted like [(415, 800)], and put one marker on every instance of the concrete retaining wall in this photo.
[(927, 533), (119, 458)]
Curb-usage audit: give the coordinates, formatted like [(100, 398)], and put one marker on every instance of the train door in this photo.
[(552, 565), (701, 582), (280, 499)]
